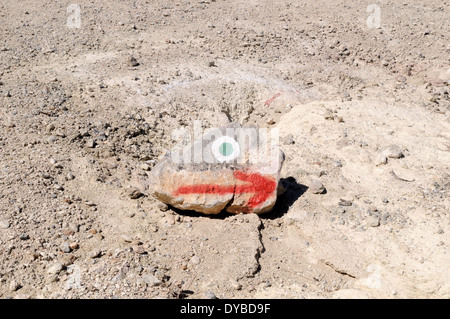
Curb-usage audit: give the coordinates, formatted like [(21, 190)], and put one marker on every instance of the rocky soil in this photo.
[(86, 113)]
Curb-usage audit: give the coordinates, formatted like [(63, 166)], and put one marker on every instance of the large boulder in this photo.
[(233, 168)]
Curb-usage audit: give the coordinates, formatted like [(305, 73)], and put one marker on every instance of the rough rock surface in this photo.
[(246, 184)]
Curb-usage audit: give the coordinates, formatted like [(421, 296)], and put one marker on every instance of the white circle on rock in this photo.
[(225, 149)]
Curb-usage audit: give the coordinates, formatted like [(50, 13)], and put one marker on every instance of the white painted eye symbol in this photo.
[(225, 149)]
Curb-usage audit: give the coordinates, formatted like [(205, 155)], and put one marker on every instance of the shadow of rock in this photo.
[(293, 191)]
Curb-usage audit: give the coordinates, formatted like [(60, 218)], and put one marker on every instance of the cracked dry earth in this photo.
[(86, 112)]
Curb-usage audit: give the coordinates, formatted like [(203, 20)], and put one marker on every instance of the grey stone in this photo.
[(288, 139), (55, 269), (373, 221), (151, 280), (14, 285), (96, 253), (65, 247), (4, 224), (393, 151), (195, 260), (24, 237), (316, 187), (209, 295)]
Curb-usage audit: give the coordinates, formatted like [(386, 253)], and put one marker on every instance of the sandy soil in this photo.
[(86, 112)]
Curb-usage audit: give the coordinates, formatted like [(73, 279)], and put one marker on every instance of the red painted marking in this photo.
[(261, 186), (271, 99)]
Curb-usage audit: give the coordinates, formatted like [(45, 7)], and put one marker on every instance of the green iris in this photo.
[(226, 149)]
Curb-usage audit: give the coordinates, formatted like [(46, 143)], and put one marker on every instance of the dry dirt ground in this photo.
[(82, 122)]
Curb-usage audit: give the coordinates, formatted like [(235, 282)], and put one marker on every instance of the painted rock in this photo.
[(234, 168)]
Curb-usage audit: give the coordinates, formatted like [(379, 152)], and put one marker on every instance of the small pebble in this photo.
[(373, 221), (235, 284), (195, 260), (288, 139), (133, 62), (96, 253), (14, 286), (162, 206), (343, 202), (134, 193), (4, 224), (90, 143), (55, 269), (316, 187), (145, 167), (126, 238), (209, 295), (24, 237), (65, 247), (393, 151), (139, 250)]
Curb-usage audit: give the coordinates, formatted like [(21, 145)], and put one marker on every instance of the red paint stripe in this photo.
[(205, 189), (263, 187)]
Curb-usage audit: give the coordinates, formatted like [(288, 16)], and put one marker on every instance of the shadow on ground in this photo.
[(293, 192)]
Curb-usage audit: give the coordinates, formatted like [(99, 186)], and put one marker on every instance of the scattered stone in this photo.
[(129, 214), (65, 247), (135, 193), (145, 167), (343, 202), (67, 232), (209, 295), (162, 206), (70, 176), (393, 151), (126, 238), (14, 285), (73, 245), (139, 249), (373, 221), (4, 224), (132, 61), (90, 143), (55, 269), (295, 217), (212, 63), (151, 280), (337, 163), (24, 237), (235, 284), (289, 139), (46, 176), (195, 260), (270, 121), (316, 187), (380, 159), (339, 119), (96, 253)]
